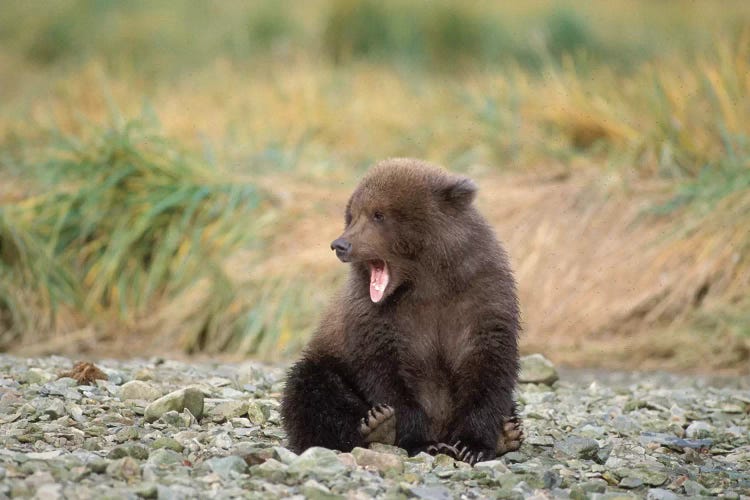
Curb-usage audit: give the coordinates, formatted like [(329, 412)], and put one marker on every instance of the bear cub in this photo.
[(420, 347)]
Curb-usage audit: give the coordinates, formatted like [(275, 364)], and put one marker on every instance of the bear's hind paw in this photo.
[(511, 436), (379, 426)]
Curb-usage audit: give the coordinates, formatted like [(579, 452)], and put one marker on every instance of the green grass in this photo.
[(32, 283), (172, 37), (127, 217)]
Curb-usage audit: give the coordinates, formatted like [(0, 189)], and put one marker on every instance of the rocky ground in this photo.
[(166, 429)]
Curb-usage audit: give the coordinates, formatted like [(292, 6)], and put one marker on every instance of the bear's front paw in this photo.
[(379, 426), (472, 454)]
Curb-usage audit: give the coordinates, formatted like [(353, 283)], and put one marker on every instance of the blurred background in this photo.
[(172, 173)]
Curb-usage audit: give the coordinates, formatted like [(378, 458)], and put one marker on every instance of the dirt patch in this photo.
[(602, 280)]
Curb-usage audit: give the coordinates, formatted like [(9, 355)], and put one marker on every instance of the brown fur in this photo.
[(441, 346)]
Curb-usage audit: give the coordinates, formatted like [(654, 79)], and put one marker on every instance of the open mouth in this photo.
[(378, 279)]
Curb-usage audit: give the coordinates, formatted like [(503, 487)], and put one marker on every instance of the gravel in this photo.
[(167, 429)]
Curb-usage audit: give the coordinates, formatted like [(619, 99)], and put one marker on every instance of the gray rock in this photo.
[(167, 443), (649, 476), (227, 467), (115, 376), (164, 457), (137, 389), (536, 369), (694, 488), (630, 483), (430, 492), (660, 494), (75, 412), (319, 462), (137, 451), (348, 460), (189, 398), (594, 486), (578, 447), (44, 455), (228, 410), (385, 448), (255, 413), (50, 491), (273, 470), (175, 419), (174, 492), (591, 431), (384, 462), (626, 426), (39, 376), (253, 454), (493, 465), (147, 490), (673, 442), (127, 434), (515, 457), (699, 430), (126, 468), (55, 409), (283, 455), (313, 490), (98, 465)]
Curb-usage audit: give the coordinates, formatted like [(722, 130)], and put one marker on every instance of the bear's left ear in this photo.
[(458, 192)]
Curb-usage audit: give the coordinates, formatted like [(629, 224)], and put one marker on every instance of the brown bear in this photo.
[(419, 349)]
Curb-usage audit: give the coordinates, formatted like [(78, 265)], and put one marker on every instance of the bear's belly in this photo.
[(434, 394)]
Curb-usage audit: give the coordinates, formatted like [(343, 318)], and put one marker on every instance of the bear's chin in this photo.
[(379, 278)]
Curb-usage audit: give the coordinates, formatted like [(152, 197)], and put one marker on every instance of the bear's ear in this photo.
[(457, 192)]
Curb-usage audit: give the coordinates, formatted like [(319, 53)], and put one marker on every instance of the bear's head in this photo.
[(405, 221)]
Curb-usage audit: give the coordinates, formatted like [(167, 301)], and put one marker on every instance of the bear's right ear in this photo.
[(458, 192)]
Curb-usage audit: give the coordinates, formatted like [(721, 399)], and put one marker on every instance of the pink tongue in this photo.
[(378, 281)]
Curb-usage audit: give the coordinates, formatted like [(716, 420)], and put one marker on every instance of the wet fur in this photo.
[(440, 347)]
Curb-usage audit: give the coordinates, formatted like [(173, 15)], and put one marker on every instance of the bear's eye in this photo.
[(378, 216)]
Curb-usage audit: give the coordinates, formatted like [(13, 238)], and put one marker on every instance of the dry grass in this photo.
[(602, 281), (622, 195)]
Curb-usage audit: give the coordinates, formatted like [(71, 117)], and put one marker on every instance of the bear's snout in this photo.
[(343, 249)]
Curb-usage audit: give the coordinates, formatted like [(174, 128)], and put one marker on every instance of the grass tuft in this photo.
[(32, 283), (132, 218)]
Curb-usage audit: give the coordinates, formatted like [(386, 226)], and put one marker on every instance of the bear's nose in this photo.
[(342, 248)]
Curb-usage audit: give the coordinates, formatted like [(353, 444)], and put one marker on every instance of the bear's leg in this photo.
[(320, 407), (485, 417)]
